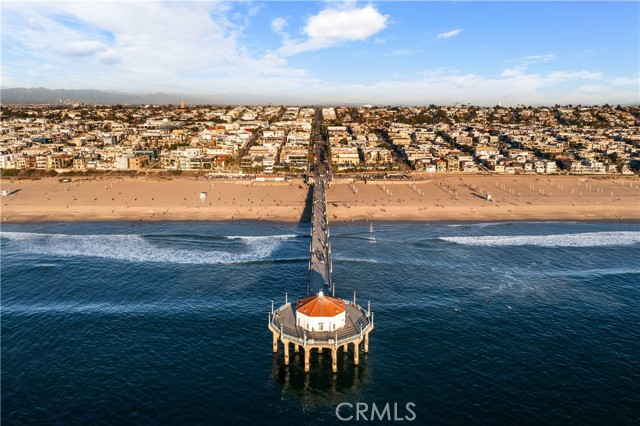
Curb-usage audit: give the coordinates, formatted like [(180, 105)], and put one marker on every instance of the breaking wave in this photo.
[(586, 239), (476, 225), (139, 248)]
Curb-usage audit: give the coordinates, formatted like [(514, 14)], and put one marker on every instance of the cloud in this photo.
[(534, 59), (450, 34), (273, 59), (106, 45), (109, 57), (403, 52), (626, 81), (278, 24), (350, 24), (591, 89), (451, 86), (562, 76), (551, 78), (513, 72), (83, 48), (584, 53), (523, 62), (332, 26)]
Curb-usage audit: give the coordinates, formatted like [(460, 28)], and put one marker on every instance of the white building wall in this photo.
[(314, 323), (123, 162), (5, 161)]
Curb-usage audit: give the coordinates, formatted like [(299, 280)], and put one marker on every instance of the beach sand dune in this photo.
[(441, 198)]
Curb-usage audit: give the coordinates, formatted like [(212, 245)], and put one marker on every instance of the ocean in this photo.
[(131, 323)]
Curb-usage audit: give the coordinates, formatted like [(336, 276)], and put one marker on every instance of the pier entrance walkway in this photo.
[(319, 249)]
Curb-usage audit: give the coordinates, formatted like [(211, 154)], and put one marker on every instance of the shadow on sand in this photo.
[(308, 202)]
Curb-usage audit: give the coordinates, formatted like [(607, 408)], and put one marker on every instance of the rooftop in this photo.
[(320, 305)]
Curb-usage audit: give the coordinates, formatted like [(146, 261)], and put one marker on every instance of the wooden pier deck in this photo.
[(319, 249)]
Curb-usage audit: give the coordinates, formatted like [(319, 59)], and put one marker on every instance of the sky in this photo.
[(348, 52)]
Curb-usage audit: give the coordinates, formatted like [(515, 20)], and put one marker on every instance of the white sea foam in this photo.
[(475, 225), (586, 239), (136, 248), (260, 237), (488, 224)]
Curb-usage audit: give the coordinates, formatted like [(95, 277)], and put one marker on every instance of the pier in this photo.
[(320, 264), (320, 321)]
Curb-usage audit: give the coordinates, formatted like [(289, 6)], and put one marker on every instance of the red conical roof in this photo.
[(320, 305)]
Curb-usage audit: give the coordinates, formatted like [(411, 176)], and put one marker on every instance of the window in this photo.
[(321, 326)]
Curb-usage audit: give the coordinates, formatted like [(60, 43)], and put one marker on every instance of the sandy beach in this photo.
[(440, 198)]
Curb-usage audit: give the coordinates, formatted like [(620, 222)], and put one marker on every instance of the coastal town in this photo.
[(305, 213), (275, 141)]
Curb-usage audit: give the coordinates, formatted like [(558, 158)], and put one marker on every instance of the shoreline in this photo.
[(451, 198), (382, 222)]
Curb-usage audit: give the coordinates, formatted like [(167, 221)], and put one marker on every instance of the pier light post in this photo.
[(286, 298)]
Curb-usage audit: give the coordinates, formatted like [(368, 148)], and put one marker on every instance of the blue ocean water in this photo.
[(166, 323)]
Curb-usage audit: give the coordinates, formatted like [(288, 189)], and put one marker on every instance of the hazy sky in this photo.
[(389, 52)]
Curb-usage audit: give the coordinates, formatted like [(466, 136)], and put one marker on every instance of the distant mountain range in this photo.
[(44, 96), (41, 95)]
